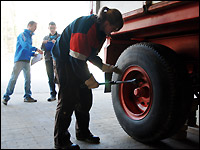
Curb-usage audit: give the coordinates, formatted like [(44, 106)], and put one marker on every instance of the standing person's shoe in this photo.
[(29, 99), (5, 101), (52, 98), (68, 146)]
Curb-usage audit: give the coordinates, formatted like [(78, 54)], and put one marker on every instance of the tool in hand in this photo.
[(134, 81), (118, 82)]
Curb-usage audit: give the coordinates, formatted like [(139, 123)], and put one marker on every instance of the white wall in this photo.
[(122, 6)]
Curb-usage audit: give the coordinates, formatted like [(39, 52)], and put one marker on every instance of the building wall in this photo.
[(122, 6)]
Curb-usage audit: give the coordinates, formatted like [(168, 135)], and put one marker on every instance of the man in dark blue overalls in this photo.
[(80, 42)]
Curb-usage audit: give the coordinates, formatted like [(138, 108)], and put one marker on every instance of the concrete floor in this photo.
[(31, 125)]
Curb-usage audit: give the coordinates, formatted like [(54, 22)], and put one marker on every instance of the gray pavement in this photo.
[(31, 125)]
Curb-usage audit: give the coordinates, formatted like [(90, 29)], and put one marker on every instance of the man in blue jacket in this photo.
[(24, 51)]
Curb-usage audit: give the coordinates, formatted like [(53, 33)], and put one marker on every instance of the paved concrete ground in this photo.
[(31, 125)]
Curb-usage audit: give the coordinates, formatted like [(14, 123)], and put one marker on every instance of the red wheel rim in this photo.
[(136, 100)]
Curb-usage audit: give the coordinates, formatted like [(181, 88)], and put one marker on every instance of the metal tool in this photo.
[(113, 82), (118, 82)]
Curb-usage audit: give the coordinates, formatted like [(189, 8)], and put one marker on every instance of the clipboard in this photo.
[(36, 58), (49, 45)]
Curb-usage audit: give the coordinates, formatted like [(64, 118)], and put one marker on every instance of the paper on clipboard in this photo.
[(36, 58)]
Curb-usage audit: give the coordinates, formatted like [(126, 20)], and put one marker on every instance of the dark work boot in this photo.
[(88, 138), (69, 145)]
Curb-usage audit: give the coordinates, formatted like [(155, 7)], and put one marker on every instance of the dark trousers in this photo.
[(50, 74), (70, 98)]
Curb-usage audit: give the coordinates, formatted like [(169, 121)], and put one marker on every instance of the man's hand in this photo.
[(92, 83), (110, 68), (39, 51), (54, 41)]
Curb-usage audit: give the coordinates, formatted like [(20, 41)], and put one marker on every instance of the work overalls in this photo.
[(71, 72), (71, 97)]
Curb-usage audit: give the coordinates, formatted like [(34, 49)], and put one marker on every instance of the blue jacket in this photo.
[(24, 48), (80, 41)]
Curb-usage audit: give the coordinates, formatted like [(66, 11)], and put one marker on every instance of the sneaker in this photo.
[(29, 99), (52, 98), (5, 101)]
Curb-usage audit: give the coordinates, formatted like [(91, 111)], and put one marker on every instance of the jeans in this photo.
[(50, 73), (18, 67)]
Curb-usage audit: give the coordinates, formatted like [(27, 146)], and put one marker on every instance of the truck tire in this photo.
[(158, 107)]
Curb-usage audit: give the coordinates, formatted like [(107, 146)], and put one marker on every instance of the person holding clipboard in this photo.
[(47, 44), (24, 52)]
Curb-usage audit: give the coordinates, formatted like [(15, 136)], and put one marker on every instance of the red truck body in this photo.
[(158, 46), (174, 24)]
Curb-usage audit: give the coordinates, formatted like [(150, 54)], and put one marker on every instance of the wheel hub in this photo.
[(136, 100), (141, 92)]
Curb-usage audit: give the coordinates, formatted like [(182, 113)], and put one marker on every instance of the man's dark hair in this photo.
[(52, 23), (31, 23)]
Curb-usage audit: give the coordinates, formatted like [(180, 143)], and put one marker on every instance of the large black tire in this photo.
[(168, 92)]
